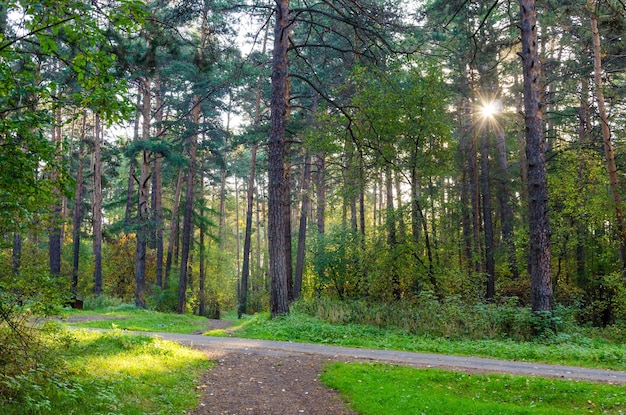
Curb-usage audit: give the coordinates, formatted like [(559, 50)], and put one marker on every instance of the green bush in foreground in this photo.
[(377, 389), (108, 373)]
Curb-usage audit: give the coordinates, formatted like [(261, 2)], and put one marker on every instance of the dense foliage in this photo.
[(129, 133)]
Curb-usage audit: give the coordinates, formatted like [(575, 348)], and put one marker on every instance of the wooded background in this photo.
[(200, 156)]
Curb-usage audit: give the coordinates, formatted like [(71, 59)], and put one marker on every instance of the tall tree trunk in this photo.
[(608, 144), (247, 242), (202, 259), (222, 224), (237, 230), (287, 217), (475, 199), (54, 244), (245, 270), (97, 208), (157, 186), (143, 187), (400, 216), (465, 126), (584, 136), (487, 217), (185, 263), (132, 167), (392, 237), (539, 229), (504, 200), (188, 217), (320, 188), (304, 212), (173, 235), (279, 289), (78, 209), (16, 253)]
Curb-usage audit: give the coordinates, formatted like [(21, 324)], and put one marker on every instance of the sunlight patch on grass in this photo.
[(125, 374), (143, 320)]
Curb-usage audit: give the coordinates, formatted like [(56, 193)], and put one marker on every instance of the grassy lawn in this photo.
[(377, 389), (118, 374), (565, 349), (135, 319)]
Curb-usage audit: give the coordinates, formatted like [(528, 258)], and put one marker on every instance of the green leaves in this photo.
[(53, 55)]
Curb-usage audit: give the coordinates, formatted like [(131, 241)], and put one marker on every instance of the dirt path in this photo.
[(422, 360), (249, 383)]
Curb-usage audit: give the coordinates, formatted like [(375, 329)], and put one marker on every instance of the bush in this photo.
[(164, 300), (101, 302), (33, 372), (450, 318)]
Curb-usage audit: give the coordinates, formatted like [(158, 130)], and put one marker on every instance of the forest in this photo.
[(205, 156), (427, 175)]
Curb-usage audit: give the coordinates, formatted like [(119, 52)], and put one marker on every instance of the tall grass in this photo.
[(450, 318)]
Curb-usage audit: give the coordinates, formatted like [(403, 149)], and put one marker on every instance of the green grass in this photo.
[(575, 350), (118, 374), (136, 319), (373, 389)]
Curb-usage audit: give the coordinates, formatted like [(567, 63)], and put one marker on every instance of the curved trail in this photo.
[(422, 360)]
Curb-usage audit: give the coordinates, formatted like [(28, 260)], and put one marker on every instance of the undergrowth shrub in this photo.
[(101, 302), (32, 374), (449, 318)]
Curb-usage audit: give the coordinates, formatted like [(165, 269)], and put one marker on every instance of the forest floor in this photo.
[(255, 377), (265, 377)]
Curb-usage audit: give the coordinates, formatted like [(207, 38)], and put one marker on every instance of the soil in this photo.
[(252, 383), (249, 383)]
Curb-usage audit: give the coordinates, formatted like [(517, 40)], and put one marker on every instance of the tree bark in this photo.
[(304, 212), (608, 144), (78, 209), (504, 200), (584, 136), (475, 199), (54, 241), (539, 229), (247, 241), (97, 208), (173, 236), (202, 259), (157, 187), (188, 217), (279, 301), (16, 253), (222, 228), (143, 187), (487, 218), (320, 187), (131, 174), (392, 237)]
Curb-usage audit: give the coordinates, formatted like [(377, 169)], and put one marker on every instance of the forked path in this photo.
[(421, 360)]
